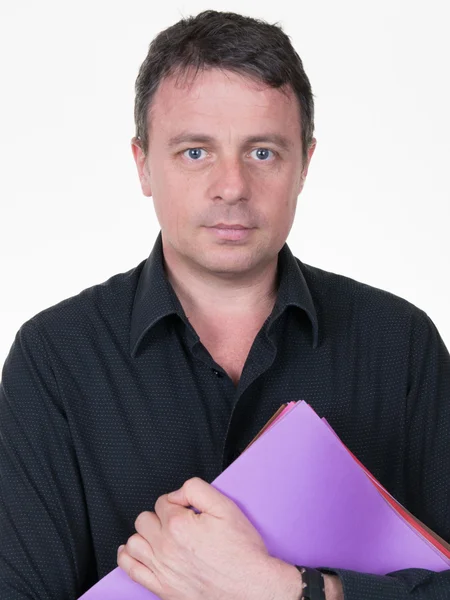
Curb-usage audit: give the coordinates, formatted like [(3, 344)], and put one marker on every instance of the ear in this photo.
[(311, 149), (140, 159)]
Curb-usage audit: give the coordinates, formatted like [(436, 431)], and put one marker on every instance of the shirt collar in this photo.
[(155, 298), (293, 291)]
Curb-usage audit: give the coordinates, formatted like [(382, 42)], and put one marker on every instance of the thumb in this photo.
[(202, 496)]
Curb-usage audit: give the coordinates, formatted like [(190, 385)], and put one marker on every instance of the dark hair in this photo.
[(226, 41)]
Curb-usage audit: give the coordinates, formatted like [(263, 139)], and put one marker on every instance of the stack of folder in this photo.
[(314, 504)]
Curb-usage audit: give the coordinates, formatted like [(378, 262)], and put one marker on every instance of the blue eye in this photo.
[(193, 153), (262, 154)]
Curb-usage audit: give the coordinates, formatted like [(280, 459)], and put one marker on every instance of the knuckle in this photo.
[(134, 542), (141, 519), (159, 501), (191, 484), (176, 526)]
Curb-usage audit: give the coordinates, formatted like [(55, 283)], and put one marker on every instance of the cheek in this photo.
[(173, 205), (171, 196), (281, 201), (166, 208)]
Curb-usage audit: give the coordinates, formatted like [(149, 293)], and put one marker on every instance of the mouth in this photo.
[(231, 232), (233, 226)]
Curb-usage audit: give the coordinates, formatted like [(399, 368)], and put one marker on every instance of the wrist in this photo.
[(288, 583)]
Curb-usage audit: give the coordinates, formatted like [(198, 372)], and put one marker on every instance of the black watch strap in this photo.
[(313, 584)]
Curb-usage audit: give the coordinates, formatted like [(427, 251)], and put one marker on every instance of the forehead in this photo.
[(215, 98)]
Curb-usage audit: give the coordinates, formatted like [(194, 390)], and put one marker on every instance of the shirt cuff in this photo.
[(396, 586)]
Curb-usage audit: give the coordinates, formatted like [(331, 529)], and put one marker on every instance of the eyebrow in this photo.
[(200, 138)]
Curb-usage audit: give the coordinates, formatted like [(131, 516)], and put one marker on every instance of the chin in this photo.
[(231, 263)]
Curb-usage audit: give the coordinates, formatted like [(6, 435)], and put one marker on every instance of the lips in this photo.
[(225, 226), (231, 232)]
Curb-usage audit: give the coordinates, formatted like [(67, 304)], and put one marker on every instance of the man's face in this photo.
[(224, 167)]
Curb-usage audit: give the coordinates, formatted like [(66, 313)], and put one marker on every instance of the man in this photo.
[(157, 379)]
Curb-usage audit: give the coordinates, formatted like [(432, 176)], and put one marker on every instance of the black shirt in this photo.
[(109, 400)]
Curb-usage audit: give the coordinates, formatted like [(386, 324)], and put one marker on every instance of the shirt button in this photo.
[(217, 373)]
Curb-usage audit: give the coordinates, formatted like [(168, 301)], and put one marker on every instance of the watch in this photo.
[(313, 584)]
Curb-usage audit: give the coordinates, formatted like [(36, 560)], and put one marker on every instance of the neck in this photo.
[(214, 294)]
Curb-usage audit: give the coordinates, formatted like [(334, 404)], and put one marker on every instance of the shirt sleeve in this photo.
[(427, 469), (45, 544)]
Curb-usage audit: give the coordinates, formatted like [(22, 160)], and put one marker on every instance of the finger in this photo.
[(180, 499), (148, 525), (203, 496), (139, 572), (140, 549), (174, 518)]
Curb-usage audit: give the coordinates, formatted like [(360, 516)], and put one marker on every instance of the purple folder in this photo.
[(312, 504)]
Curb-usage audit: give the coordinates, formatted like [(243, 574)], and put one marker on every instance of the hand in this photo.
[(178, 554)]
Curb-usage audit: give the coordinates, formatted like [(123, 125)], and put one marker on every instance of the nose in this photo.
[(229, 181)]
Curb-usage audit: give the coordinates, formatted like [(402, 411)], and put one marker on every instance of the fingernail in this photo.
[(120, 548)]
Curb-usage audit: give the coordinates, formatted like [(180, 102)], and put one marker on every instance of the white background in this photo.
[(376, 202)]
